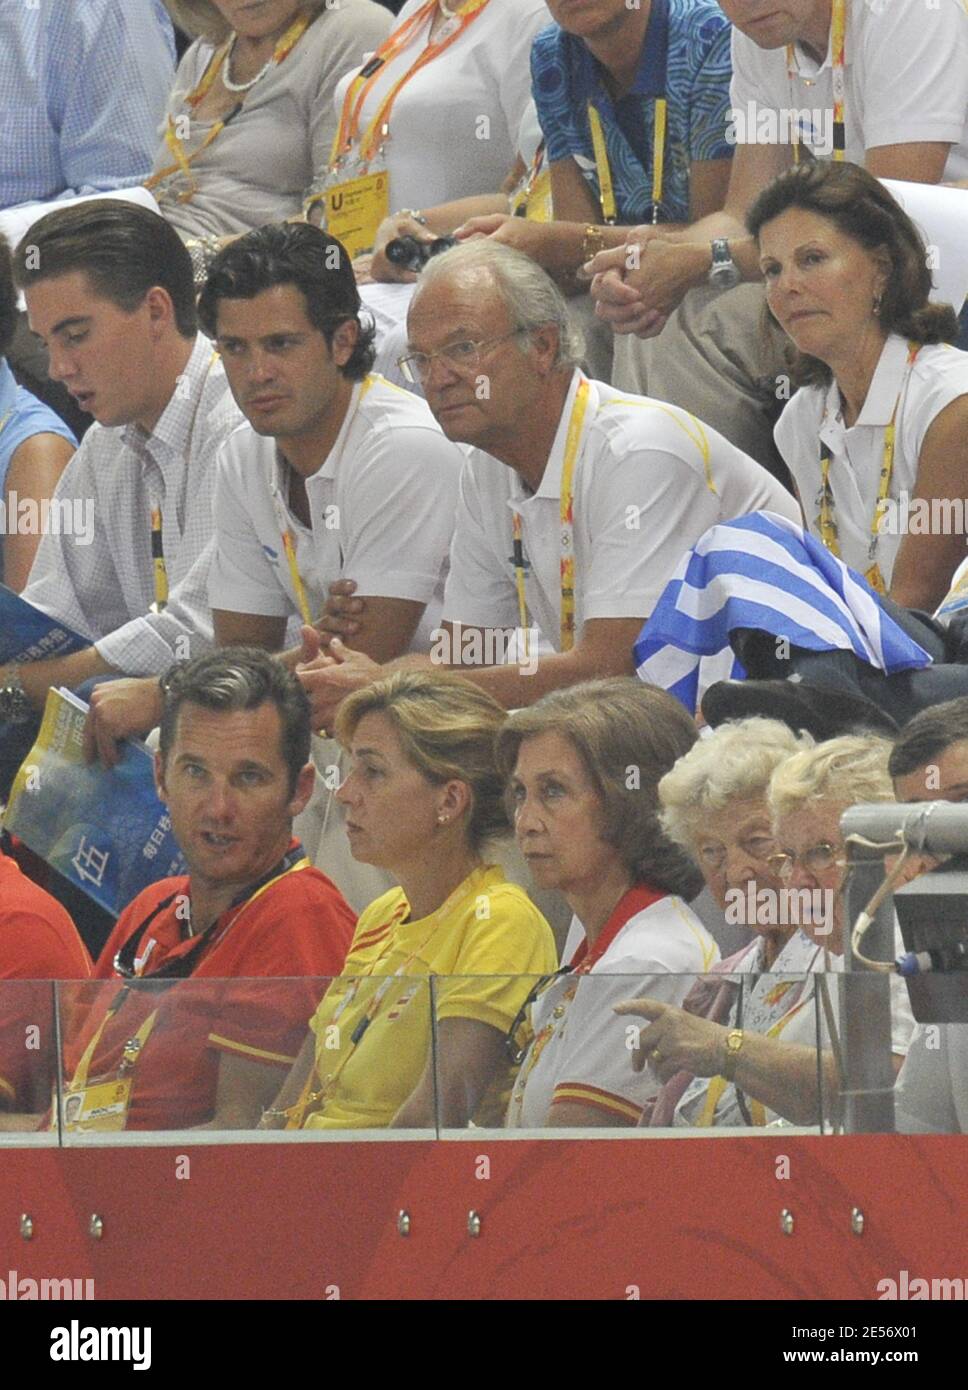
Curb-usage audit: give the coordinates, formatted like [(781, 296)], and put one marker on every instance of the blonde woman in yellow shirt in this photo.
[(455, 941)]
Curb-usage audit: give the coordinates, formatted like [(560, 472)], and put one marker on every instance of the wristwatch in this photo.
[(15, 708), (593, 241), (724, 272), (734, 1042)]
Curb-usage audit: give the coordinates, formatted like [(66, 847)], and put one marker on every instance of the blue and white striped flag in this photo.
[(762, 571)]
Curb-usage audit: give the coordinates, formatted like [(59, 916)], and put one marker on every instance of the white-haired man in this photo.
[(576, 502)]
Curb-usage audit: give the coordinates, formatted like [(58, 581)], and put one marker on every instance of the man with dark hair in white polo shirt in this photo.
[(576, 502), (334, 472)]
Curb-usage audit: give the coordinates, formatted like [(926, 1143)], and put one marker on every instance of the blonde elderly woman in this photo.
[(251, 118), (762, 1064), (714, 804), (423, 800), (583, 765)]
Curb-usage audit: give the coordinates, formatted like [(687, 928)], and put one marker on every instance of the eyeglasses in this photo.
[(460, 357), (817, 860), (713, 857)]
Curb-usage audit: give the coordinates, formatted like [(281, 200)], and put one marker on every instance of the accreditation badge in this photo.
[(355, 208), (101, 1106), (533, 200)]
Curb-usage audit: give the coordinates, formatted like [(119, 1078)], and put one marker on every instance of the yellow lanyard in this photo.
[(532, 198), (827, 520), (604, 169), (717, 1084), (184, 161), (159, 568), (134, 1047), (289, 540), (296, 1114), (3, 422), (567, 517), (359, 89), (838, 63)]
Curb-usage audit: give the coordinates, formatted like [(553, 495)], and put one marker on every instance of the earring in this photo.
[(876, 306), (442, 820)]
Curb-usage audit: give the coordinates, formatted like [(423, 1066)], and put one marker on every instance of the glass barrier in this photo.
[(389, 1057), (624, 1053), (28, 1061), (217, 1059)]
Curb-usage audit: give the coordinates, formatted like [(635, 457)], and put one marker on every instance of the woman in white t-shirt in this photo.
[(762, 1063), (877, 437), (583, 766), (437, 109)]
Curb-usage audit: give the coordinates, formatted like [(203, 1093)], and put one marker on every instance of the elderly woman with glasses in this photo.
[(761, 1063), (714, 804), (583, 765)]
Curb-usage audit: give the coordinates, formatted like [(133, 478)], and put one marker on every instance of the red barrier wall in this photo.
[(559, 1218)]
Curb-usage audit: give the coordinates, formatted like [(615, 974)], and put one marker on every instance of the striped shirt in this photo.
[(105, 589), (82, 91)]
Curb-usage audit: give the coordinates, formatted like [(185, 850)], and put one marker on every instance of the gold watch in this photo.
[(591, 243), (734, 1043)]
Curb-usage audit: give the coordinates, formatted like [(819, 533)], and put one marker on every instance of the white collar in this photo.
[(882, 393), (330, 464), (550, 486), (886, 383)]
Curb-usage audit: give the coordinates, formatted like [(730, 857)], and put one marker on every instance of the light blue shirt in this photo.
[(83, 87)]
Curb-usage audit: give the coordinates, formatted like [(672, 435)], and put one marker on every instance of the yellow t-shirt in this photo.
[(485, 945)]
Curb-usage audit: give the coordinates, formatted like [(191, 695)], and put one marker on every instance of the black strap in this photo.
[(181, 966)]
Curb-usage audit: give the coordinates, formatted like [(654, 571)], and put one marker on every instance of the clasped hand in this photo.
[(636, 287)]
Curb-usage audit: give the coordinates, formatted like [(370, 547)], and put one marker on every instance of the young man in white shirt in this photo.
[(335, 473), (905, 79), (109, 289), (490, 342)]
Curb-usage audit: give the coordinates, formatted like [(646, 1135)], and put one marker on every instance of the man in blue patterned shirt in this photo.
[(605, 67), (83, 88), (622, 60)]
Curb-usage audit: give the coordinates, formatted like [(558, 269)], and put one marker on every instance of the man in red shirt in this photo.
[(194, 1035), (38, 941)]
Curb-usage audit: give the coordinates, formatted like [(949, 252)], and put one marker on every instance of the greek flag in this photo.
[(762, 571)]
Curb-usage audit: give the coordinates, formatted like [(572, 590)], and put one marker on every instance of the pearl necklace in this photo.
[(227, 82)]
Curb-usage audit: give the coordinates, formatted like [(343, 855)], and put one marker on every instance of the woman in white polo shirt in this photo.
[(583, 767), (877, 437), (433, 115)]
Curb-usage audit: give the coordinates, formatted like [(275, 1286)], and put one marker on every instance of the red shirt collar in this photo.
[(636, 900)]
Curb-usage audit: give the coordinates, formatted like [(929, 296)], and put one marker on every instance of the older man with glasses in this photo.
[(576, 502)]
